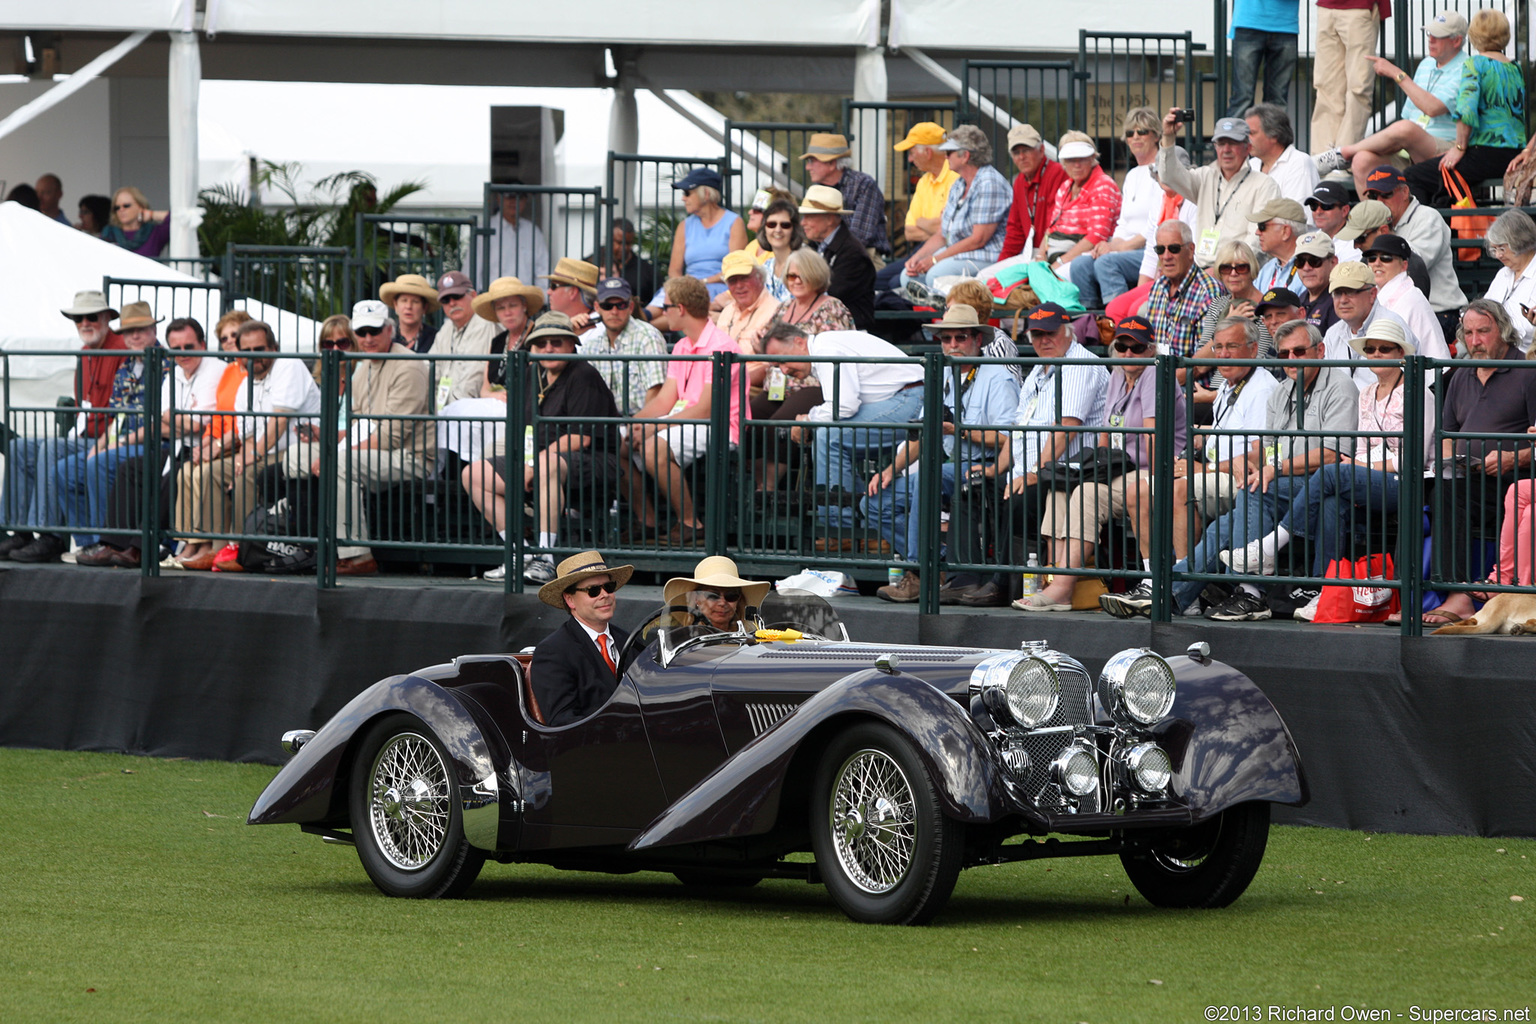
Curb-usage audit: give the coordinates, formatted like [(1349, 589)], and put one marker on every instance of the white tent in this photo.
[(44, 263)]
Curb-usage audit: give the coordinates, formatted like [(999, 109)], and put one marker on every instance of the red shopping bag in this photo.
[(1368, 600)]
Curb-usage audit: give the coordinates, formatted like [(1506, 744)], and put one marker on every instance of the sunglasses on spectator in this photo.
[(1134, 347), (1263, 225), (335, 343), (367, 332), (1376, 193), (124, 206), (184, 348), (1139, 131), (1313, 262), (595, 589), (669, 305), (1386, 350), (689, 191), (84, 317), (955, 337), (1348, 291), (232, 337), (455, 297), (778, 225), (616, 304), (1293, 353), (545, 343), (1379, 257), (730, 596), (1233, 268), (1175, 248), (1325, 206)]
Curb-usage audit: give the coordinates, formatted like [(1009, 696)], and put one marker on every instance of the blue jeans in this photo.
[(967, 264), (1277, 52), (1252, 516), (31, 497), (1325, 509), (895, 509), (85, 482), (1107, 277), (838, 445)]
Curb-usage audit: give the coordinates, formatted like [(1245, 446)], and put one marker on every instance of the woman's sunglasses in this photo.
[(327, 344), (1386, 350), (777, 225), (1379, 257), (1235, 268), (729, 596), (1136, 348)]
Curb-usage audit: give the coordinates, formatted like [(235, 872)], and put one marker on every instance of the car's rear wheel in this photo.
[(1206, 865), (884, 848), (407, 813)]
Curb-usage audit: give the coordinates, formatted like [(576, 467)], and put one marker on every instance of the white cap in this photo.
[(369, 313)]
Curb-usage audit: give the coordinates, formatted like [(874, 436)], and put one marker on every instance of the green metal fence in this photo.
[(1045, 94), (528, 228), (766, 154)]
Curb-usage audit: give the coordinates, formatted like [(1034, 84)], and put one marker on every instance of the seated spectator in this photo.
[(412, 298), (714, 596), (571, 464), (1367, 220), (1388, 256), (663, 451), (462, 334), (31, 496), (1111, 267), (1512, 241), (971, 232), (1073, 522), (625, 260), (850, 274), (95, 214), (810, 305), (572, 290), (748, 310), (221, 433), (512, 306), (517, 243), (925, 208), (1427, 234), (50, 192), (1489, 111), (1278, 306), (187, 393), (829, 162), (335, 335), (1087, 203), (887, 392), (135, 226), (1279, 222), (1208, 476), (633, 382), (782, 234), (1475, 474), (277, 394), (1328, 208), (1348, 496), (1426, 126), (85, 479), (23, 195), (1173, 207), (1320, 400), (1181, 293), (760, 201), (1315, 259), (1033, 201), (575, 669), (1226, 191), (708, 231), (1517, 555), (976, 397), (973, 293), (1235, 266), (1272, 141), (1353, 287)]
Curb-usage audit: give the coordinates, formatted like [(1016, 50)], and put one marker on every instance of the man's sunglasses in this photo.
[(83, 317), (545, 343), (1377, 194), (185, 348), (1134, 347), (1175, 248), (1313, 262), (1325, 206), (367, 332), (595, 589), (956, 337), (1293, 353), (614, 306)]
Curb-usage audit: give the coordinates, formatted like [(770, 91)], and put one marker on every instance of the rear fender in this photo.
[(1227, 742), (741, 797), (310, 789)]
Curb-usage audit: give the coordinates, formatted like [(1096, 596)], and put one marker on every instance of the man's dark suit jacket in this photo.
[(853, 276), (570, 678)]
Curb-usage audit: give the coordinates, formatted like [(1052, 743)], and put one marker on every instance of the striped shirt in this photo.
[(1084, 396)]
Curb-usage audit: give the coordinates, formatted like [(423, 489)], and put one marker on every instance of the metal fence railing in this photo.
[(639, 188), (1141, 69), (388, 245), (1045, 94), (528, 228), (309, 283), (763, 154)]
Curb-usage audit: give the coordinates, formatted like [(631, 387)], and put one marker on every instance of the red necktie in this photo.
[(602, 645)]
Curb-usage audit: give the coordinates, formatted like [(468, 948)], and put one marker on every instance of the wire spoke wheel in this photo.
[(409, 808), (874, 825)]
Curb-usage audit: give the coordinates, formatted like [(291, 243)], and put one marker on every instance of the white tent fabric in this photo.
[(44, 263), (102, 15), (602, 22), (965, 24)]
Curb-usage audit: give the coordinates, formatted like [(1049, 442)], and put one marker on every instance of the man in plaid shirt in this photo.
[(1181, 292), (828, 162)]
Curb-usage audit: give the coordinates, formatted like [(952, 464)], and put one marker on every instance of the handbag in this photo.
[(1464, 227), (1089, 466), (1518, 180), (1368, 600)]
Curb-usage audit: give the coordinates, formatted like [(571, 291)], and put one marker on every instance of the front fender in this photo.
[(306, 790), (741, 797), (1227, 742)]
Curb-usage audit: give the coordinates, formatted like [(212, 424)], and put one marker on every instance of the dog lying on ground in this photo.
[(1507, 614)]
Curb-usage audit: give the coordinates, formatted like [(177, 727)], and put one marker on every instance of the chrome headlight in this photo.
[(1024, 687), (1136, 687), (1076, 770), (1150, 767)]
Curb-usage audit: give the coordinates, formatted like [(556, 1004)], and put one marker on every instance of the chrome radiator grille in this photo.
[(1076, 708)]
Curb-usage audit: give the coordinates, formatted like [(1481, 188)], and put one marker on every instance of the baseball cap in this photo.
[(924, 133), (1385, 178), (1328, 193), (1023, 135), (1137, 328), (1353, 274), (705, 176), (369, 313), (1234, 128), (453, 283), (735, 264), (1392, 245), (1447, 23), (1366, 214), (614, 287), (1283, 209), (1048, 317), (1315, 243), (1278, 298)]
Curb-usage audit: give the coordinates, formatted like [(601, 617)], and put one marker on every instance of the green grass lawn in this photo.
[(133, 890)]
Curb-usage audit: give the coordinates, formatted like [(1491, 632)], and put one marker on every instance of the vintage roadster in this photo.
[(723, 753)]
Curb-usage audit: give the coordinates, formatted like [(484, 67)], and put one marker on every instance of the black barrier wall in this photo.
[(1423, 735)]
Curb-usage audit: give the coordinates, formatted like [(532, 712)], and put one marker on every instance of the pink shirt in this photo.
[(1093, 213), (695, 376)]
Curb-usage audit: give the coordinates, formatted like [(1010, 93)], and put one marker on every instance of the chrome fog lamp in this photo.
[(1150, 767), (1076, 770), (1136, 687), (1033, 691)]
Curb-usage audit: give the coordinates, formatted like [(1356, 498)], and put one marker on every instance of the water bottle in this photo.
[(1031, 577)]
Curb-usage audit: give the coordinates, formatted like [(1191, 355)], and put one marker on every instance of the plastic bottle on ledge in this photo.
[(1031, 577)]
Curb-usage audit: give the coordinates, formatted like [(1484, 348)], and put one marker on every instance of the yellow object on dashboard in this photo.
[(788, 635)]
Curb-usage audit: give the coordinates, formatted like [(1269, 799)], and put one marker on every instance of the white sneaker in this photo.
[(1330, 161), (539, 571), (496, 575), (1251, 560), (1308, 611)]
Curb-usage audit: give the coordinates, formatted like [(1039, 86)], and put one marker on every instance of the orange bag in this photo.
[(1464, 227)]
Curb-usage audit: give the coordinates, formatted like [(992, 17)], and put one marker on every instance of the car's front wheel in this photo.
[(884, 848), (407, 815), (1206, 865)]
